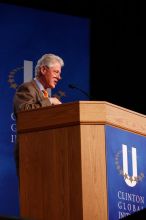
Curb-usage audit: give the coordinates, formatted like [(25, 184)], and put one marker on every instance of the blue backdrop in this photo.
[(25, 35)]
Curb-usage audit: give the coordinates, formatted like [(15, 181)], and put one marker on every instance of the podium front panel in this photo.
[(126, 172)]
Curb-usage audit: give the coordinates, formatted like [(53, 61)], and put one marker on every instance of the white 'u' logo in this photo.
[(131, 181)]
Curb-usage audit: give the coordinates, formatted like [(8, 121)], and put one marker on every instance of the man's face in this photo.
[(51, 75)]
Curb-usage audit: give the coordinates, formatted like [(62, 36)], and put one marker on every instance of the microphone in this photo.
[(72, 86)]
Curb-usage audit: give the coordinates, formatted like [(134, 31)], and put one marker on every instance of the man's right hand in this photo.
[(55, 101)]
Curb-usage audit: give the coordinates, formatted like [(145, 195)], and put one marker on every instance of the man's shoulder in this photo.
[(27, 85)]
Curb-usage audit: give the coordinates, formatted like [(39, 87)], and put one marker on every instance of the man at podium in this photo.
[(34, 94)]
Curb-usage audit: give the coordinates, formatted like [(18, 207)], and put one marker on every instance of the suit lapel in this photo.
[(34, 84)]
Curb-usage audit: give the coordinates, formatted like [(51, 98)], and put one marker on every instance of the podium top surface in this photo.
[(81, 112)]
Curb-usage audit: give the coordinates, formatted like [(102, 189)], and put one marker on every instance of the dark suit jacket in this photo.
[(28, 96)]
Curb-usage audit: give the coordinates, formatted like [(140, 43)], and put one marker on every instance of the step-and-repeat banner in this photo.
[(126, 172), (25, 35)]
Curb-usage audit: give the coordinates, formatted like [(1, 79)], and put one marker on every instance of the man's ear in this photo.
[(43, 70)]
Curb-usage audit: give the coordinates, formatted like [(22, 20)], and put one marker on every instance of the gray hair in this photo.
[(48, 60)]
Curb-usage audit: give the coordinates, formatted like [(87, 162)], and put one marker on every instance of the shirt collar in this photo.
[(39, 84)]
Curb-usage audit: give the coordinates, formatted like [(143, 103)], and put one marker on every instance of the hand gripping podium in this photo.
[(66, 170)]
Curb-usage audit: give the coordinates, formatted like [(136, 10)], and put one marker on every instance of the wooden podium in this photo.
[(63, 173)]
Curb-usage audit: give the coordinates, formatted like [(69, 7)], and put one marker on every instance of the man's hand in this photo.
[(55, 101)]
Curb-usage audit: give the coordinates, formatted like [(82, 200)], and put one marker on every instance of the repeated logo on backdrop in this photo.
[(12, 77)]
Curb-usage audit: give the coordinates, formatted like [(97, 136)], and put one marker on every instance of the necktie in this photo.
[(45, 93)]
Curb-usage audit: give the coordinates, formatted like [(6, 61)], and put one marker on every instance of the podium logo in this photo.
[(130, 180)]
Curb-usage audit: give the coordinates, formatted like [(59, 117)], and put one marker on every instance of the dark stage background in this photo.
[(117, 47)]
